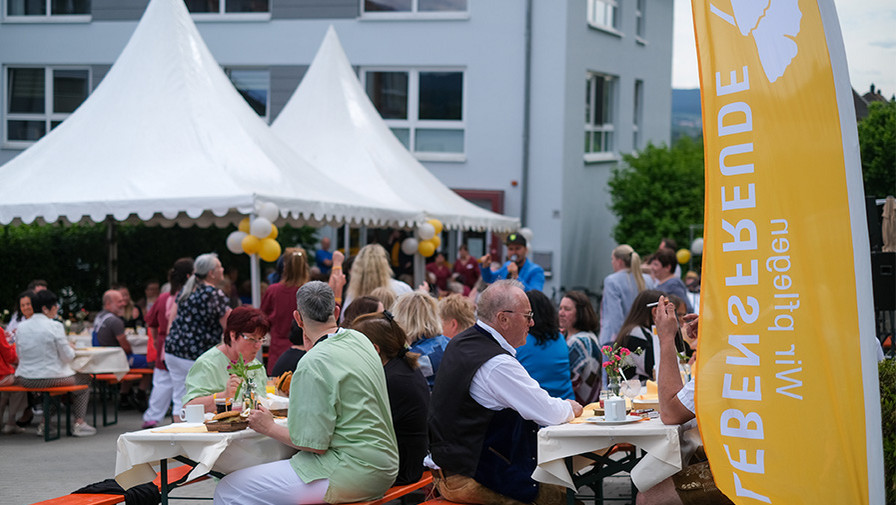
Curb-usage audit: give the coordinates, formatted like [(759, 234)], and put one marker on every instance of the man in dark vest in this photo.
[(486, 410)]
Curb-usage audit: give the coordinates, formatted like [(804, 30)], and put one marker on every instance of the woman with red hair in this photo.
[(210, 377)]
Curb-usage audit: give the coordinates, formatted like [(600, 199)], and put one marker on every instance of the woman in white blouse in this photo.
[(44, 357)]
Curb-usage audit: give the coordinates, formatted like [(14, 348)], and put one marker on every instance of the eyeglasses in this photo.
[(528, 315), (256, 341)]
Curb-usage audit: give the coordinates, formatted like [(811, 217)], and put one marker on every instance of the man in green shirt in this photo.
[(339, 419)]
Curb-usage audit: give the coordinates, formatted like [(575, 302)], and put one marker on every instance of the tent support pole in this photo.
[(419, 270), (112, 246), (347, 238)]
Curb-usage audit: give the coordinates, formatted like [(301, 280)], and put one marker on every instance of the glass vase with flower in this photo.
[(618, 358)]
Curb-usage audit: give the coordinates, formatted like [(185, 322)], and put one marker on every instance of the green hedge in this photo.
[(73, 259)]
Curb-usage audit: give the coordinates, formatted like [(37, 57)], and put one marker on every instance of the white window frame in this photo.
[(413, 14), (47, 116), (595, 22), (637, 114), (608, 129), (641, 21), (45, 18), (267, 105), (223, 15), (412, 123)]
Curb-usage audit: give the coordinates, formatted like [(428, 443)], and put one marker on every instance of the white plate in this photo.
[(601, 420)]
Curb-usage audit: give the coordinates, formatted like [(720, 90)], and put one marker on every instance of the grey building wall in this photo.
[(117, 10), (314, 9), (587, 221), (284, 81)]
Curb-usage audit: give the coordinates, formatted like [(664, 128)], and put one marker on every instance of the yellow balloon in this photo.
[(251, 244), (244, 225), (436, 242), (269, 250), (683, 256), (426, 248), (436, 224), (274, 232)]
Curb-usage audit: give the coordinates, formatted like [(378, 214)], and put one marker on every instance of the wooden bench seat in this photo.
[(51, 401), (84, 499), (396, 492)]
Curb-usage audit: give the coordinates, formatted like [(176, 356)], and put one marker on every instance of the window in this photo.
[(38, 99), (47, 8), (600, 100), (424, 108), (639, 18), (254, 86), (637, 116), (603, 14), (227, 6), (418, 8)]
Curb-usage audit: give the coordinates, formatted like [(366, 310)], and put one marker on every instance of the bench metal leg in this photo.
[(49, 402)]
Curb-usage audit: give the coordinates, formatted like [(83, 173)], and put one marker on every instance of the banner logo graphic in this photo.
[(773, 25)]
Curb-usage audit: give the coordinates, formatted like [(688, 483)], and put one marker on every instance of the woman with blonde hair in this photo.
[(371, 270), (279, 301), (418, 315), (620, 289)]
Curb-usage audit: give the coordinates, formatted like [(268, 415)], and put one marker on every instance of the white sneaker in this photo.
[(83, 430), (40, 430)]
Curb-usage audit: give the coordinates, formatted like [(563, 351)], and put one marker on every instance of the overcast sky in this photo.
[(869, 34)]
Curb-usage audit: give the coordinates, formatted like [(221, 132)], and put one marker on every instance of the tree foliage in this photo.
[(658, 193), (74, 259), (877, 141)]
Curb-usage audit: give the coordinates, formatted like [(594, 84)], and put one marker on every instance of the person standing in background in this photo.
[(620, 289), (323, 258)]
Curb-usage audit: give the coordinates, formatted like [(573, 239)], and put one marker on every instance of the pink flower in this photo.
[(607, 364), (624, 351)]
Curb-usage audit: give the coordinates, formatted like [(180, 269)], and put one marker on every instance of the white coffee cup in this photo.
[(193, 413), (614, 409)]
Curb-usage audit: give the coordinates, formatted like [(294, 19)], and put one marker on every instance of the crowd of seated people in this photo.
[(385, 380)]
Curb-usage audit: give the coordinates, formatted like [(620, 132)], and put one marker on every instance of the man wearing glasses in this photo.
[(486, 410)]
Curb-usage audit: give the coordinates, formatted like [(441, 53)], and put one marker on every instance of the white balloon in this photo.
[(697, 246), (409, 246), (268, 211), (426, 231), (260, 227), (527, 232), (235, 242)]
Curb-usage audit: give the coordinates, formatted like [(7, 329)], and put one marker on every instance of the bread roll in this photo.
[(284, 382)]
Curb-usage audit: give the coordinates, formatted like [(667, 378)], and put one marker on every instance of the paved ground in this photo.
[(32, 470)]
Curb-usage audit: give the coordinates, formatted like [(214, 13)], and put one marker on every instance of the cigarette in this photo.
[(654, 304)]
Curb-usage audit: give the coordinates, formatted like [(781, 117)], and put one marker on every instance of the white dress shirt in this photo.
[(502, 382), (43, 349)]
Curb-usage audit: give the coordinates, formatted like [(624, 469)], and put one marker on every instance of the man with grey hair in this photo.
[(486, 410), (339, 419)]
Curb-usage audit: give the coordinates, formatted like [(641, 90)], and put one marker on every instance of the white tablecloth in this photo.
[(222, 452), (94, 360), (662, 443), (138, 342)]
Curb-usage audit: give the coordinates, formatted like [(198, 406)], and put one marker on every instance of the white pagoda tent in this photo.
[(332, 122), (166, 139)]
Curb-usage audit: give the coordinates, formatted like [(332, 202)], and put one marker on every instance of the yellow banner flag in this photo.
[(787, 393)]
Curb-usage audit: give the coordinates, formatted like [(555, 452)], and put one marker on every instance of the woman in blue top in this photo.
[(418, 315), (545, 355)]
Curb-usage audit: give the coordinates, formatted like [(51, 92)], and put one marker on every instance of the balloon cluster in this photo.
[(257, 236), (427, 240)]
